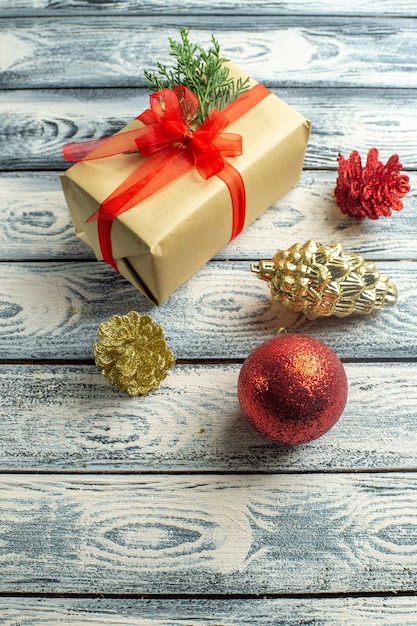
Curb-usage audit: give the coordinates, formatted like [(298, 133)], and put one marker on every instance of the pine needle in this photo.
[(202, 72)]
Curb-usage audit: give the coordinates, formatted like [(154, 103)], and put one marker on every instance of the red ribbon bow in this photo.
[(168, 128), (172, 148)]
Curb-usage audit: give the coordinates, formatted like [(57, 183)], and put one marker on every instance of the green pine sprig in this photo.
[(202, 72)]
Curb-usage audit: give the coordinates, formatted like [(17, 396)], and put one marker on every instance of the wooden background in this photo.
[(169, 509)]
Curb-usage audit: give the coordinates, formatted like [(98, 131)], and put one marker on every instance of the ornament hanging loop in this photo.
[(322, 280), (264, 269)]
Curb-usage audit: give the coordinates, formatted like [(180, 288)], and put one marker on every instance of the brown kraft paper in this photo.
[(161, 242)]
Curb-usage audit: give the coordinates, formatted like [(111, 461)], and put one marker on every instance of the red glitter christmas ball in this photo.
[(292, 388)]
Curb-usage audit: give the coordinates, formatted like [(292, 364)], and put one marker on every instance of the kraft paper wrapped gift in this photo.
[(162, 241)]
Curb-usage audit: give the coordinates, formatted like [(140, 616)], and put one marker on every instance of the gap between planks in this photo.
[(214, 596)]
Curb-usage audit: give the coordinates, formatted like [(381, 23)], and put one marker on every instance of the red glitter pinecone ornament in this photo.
[(372, 191)]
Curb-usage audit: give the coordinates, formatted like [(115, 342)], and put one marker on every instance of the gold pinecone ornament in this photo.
[(132, 353), (321, 280)]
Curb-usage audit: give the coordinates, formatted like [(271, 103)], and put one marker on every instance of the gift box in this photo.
[(185, 218)]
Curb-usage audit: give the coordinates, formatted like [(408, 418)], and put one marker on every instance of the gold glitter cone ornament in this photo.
[(321, 280), (132, 353)]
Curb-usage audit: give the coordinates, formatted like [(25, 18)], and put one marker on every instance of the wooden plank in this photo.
[(234, 534), (114, 51), (313, 525), (383, 8), (35, 220), (36, 223), (383, 611), (68, 418), (35, 124), (52, 311)]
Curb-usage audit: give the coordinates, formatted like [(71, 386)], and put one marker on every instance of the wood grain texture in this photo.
[(114, 51), (35, 220), (68, 418), (174, 493), (36, 225), (35, 124), (214, 534), (52, 311), (384, 611), (383, 8)]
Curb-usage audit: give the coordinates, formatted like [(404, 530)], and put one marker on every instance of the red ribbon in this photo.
[(172, 148)]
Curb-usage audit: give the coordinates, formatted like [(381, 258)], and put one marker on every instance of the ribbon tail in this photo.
[(155, 173), (234, 181), (78, 151), (104, 228), (100, 148), (124, 196)]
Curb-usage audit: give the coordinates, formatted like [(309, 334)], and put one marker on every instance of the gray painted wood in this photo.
[(52, 311), (36, 224), (114, 510), (69, 418), (383, 611), (383, 8), (35, 220), (114, 51), (35, 124), (215, 534)]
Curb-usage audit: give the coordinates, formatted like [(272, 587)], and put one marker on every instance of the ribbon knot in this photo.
[(168, 125)]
